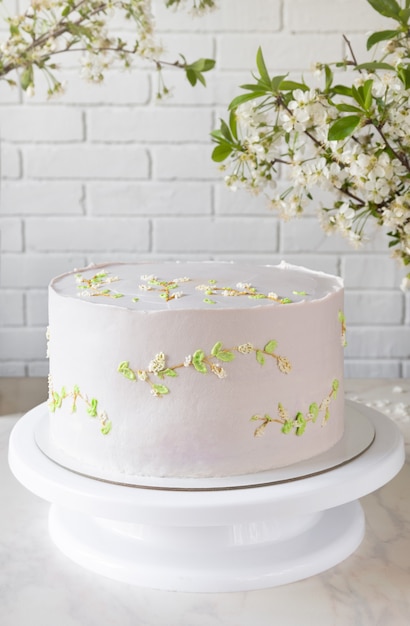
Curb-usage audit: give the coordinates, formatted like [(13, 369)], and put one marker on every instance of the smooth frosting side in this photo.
[(160, 389)]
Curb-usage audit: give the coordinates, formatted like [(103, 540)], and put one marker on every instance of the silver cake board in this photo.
[(240, 534)]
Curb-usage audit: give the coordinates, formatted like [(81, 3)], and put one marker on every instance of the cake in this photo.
[(198, 369)]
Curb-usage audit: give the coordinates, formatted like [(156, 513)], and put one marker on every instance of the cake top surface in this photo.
[(195, 285)]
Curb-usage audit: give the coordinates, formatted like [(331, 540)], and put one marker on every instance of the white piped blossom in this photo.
[(246, 348), (157, 364), (219, 371)]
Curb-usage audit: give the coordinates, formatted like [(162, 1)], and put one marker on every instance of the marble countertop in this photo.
[(40, 586)]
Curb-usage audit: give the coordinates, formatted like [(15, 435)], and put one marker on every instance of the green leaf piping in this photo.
[(204, 363), (299, 423), (56, 401)]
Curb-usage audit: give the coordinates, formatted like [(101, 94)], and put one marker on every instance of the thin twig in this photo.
[(349, 45)]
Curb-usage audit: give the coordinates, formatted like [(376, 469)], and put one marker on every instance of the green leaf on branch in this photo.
[(194, 71), (225, 130), (233, 125), (343, 128), (27, 77), (348, 108), (221, 152), (202, 65), (328, 77), (79, 31), (342, 90), (388, 8), (245, 98), (191, 76), (67, 10), (404, 75), (252, 87), (290, 85), (277, 82), (382, 35), (372, 66), (363, 94), (260, 64), (404, 16), (218, 135)]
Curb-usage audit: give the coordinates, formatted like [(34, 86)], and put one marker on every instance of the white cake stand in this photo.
[(213, 538)]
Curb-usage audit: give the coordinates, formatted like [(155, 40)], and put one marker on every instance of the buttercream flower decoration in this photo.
[(297, 424), (350, 139), (204, 363), (97, 285), (166, 288), (74, 395), (240, 290)]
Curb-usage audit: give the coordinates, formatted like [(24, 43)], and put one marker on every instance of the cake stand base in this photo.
[(212, 540), (208, 561)]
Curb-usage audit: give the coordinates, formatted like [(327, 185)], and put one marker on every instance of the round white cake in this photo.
[(195, 369)]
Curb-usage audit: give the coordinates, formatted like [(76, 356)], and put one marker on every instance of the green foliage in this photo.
[(271, 346), (92, 408), (300, 424), (106, 428), (199, 5), (195, 71), (169, 372), (260, 357), (343, 128), (160, 389), (388, 8), (126, 371), (287, 427), (198, 361), (323, 133), (383, 35), (223, 355), (314, 411)]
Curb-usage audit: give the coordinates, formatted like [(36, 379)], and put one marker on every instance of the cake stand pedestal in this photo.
[(208, 540)]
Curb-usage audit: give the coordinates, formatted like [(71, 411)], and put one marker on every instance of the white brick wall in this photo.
[(106, 173)]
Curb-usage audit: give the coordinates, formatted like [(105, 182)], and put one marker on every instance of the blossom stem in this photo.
[(399, 156), (349, 45)]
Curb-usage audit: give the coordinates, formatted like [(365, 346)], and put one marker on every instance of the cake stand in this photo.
[(233, 534)]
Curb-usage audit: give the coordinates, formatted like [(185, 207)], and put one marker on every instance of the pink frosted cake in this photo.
[(195, 369)]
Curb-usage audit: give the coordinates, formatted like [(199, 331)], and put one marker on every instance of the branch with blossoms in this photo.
[(351, 140), (49, 28)]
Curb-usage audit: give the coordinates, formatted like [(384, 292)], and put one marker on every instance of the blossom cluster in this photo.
[(50, 27), (353, 141)]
